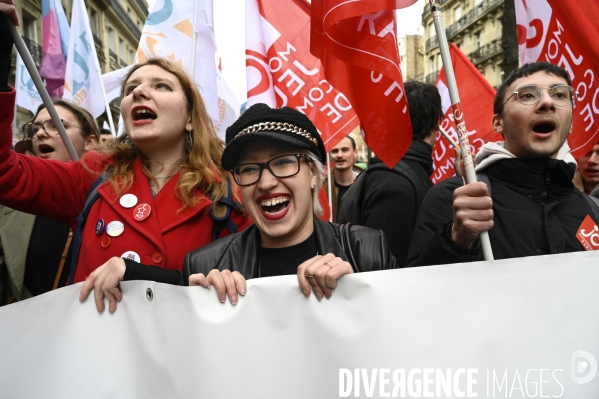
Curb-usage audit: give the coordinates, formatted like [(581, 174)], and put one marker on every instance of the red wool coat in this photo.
[(59, 190)]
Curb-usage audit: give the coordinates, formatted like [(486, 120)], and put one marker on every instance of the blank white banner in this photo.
[(517, 328)]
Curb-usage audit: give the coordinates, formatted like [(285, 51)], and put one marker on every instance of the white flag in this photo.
[(259, 37), (228, 106), (82, 83), (112, 82), (169, 32), (27, 95)]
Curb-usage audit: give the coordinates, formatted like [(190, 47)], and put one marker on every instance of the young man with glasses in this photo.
[(530, 206)]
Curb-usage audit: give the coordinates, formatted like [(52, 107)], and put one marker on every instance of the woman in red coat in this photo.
[(164, 177)]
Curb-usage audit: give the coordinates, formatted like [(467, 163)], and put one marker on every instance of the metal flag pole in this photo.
[(458, 113), (449, 138), (330, 188), (37, 80)]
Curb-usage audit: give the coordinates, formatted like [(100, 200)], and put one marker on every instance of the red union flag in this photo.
[(357, 45), (282, 72), (562, 33), (476, 95)]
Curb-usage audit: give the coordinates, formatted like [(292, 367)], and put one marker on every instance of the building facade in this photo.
[(476, 27), (411, 53), (116, 26)]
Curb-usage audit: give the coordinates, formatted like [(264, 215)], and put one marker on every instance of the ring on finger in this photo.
[(327, 264), (308, 275)]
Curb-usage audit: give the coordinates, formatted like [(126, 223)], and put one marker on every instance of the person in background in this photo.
[(390, 198), (107, 137), (35, 250), (160, 190), (345, 171)]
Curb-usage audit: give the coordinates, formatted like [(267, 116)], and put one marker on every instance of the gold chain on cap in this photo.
[(274, 126)]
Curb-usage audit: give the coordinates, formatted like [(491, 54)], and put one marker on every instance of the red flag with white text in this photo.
[(280, 70), (356, 42), (476, 96), (563, 33)]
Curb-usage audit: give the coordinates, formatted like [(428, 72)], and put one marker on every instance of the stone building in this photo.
[(115, 24), (477, 27), (411, 53)]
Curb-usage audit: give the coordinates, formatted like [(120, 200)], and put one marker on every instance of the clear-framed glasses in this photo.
[(287, 165), (30, 129), (562, 95)]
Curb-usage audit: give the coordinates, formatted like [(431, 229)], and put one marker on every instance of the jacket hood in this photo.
[(493, 152)]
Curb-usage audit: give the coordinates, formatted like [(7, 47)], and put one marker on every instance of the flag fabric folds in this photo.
[(27, 94), (561, 32), (356, 42), (54, 46), (476, 95), (281, 71), (83, 84), (169, 32)]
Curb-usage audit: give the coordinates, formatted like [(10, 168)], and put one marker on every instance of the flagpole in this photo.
[(194, 40), (458, 113), (37, 80), (449, 138), (329, 188), (99, 72)]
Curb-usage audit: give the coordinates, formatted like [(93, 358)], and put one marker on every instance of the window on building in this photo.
[(477, 39), (30, 28), (131, 56), (111, 42), (431, 65), (457, 13), (94, 20), (122, 53), (431, 30)]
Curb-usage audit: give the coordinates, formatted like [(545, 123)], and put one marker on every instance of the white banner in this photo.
[(83, 84), (228, 106), (515, 328)]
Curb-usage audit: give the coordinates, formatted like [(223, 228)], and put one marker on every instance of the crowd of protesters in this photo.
[(168, 201)]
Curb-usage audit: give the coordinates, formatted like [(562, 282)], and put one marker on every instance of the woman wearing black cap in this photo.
[(276, 157)]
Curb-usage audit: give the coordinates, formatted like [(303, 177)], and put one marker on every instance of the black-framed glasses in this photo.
[(562, 95), (30, 129), (286, 165)]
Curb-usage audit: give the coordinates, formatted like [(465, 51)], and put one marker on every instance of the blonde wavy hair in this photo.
[(201, 170)]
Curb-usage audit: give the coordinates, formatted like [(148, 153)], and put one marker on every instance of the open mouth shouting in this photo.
[(274, 206), (143, 115), (45, 150), (544, 127)]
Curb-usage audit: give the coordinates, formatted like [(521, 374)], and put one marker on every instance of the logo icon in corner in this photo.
[(584, 367)]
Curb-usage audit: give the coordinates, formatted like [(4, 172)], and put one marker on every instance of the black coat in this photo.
[(365, 249), (390, 201), (536, 211)]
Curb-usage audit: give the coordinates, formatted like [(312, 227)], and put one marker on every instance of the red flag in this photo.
[(476, 96), (357, 45), (563, 33), (282, 72)]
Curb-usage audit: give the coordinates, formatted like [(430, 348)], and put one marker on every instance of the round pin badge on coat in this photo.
[(128, 201), (100, 227), (131, 256), (141, 212), (115, 229)]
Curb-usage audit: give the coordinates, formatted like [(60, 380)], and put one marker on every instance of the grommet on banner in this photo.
[(149, 294)]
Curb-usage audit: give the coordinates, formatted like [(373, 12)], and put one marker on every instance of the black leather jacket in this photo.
[(365, 249)]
